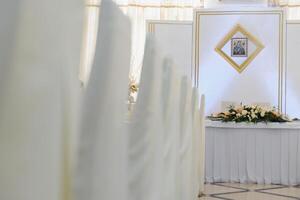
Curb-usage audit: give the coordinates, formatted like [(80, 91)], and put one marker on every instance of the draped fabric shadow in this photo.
[(101, 171), (34, 54)]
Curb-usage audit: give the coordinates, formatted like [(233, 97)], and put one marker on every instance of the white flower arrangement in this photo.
[(247, 113), (132, 90)]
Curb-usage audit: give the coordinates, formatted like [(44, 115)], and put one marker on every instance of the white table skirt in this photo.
[(249, 153)]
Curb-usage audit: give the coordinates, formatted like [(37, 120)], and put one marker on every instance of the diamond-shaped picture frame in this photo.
[(239, 67)]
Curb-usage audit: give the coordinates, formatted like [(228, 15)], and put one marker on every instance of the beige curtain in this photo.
[(292, 6), (139, 11)]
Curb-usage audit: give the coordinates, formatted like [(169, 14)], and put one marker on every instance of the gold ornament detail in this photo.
[(249, 58)]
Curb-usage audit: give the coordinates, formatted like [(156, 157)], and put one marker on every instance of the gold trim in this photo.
[(150, 24), (279, 12), (150, 27), (224, 41), (184, 6), (290, 5), (140, 5)]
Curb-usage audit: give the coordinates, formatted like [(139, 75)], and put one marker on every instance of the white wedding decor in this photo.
[(158, 144), (164, 158), (252, 144), (202, 144), (121, 137), (250, 113), (198, 118), (35, 57), (145, 135), (185, 140), (253, 153), (102, 155), (170, 129)]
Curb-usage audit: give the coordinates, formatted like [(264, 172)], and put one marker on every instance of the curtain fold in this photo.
[(102, 159)]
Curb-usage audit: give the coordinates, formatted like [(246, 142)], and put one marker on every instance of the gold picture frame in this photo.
[(239, 67)]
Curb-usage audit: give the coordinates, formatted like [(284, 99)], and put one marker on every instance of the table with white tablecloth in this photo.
[(253, 153)]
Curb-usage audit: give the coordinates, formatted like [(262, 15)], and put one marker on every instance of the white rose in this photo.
[(253, 115), (244, 112), (262, 114), (249, 118)]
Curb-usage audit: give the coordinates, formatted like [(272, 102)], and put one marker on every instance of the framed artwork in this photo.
[(239, 47), (238, 40)]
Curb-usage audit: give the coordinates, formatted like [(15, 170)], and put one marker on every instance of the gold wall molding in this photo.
[(150, 24), (198, 13), (150, 28), (238, 28), (141, 5)]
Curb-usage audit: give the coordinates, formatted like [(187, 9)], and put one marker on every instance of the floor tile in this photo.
[(236, 191), (208, 198), (289, 192), (252, 196), (250, 186), (213, 189)]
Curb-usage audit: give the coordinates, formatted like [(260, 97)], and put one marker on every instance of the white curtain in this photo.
[(293, 7), (139, 11)]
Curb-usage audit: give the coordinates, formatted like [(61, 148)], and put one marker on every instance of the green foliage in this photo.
[(251, 114)]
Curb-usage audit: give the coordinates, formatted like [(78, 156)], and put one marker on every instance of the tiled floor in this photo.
[(235, 191)]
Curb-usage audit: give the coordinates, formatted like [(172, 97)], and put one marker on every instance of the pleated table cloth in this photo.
[(253, 153)]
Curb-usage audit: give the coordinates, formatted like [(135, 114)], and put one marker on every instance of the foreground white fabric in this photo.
[(196, 141), (164, 133), (170, 129), (253, 153), (202, 144), (145, 133), (33, 53), (39, 112), (102, 166), (185, 146)]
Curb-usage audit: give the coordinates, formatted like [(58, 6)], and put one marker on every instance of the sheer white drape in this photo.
[(139, 11), (293, 7)]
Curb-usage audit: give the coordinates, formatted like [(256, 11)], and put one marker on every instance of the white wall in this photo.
[(218, 80), (293, 69), (175, 41)]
